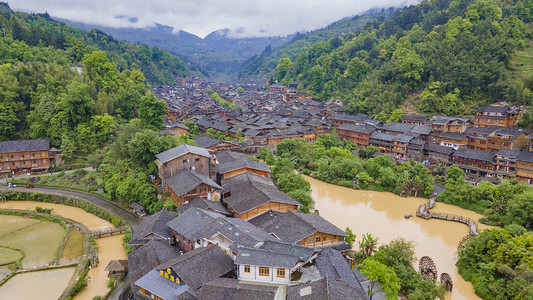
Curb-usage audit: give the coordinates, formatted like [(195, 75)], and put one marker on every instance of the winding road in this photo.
[(112, 207)]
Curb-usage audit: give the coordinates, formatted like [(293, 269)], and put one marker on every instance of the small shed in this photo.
[(117, 268), (137, 209)]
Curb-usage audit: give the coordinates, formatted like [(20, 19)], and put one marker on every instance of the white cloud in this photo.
[(200, 17)]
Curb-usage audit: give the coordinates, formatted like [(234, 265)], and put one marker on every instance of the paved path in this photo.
[(118, 210), (4, 179)]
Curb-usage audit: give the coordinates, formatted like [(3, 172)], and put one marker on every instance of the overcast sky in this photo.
[(200, 17)]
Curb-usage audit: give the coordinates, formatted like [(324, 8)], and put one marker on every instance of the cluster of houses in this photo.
[(486, 146), (237, 236)]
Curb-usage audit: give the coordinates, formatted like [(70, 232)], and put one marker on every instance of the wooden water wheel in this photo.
[(446, 279), (2, 198), (464, 241), (428, 268)]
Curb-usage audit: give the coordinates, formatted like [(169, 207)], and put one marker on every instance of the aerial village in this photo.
[(234, 234)]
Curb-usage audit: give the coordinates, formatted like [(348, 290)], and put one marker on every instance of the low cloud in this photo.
[(201, 17)]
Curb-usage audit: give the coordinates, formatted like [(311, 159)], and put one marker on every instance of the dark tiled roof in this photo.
[(200, 265), (332, 264), (24, 145), (230, 161), (475, 154), (443, 120), (422, 129), (175, 124), (191, 221), (496, 109), (508, 153), (454, 135), (186, 180), (301, 252), (239, 231), (136, 206), (415, 117), (206, 141), (432, 147), (260, 257), (232, 289), (292, 227), (181, 150), (525, 156), (357, 128), (262, 219), (206, 204), (144, 259), (397, 127), (403, 138), (351, 118), (382, 136), (154, 224), (324, 289), (249, 190)]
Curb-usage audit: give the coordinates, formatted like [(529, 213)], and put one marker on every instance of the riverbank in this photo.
[(382, 215)]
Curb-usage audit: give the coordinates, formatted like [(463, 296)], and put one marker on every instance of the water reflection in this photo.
[(382, 215)]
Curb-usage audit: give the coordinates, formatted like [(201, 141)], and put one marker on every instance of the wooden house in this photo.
[(185, 156), (248, 194), (498, 114), (186, 185), (24, 156), (232, 163), (475, 162), (359, 134)]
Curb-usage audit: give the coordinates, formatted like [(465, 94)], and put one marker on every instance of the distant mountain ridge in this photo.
[(218, 52)]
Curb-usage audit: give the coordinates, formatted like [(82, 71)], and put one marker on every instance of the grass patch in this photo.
[(80, 180), (9, 255)]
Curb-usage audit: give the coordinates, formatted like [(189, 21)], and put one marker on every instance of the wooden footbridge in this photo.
[(424, 212), (106, 231)]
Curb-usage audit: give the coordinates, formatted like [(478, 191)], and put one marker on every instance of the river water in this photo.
[(110, 247), (382, 215)]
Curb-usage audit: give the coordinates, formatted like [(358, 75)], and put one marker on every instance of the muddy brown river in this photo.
[(110, 247), (382, 215)]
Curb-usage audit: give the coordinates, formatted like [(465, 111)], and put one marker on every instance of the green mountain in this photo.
[(219, 54), (75, 87), (437, 57), (265, 62), (158, 66)]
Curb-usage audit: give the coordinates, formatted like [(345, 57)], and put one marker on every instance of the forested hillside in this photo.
[(259, 65), (37, 35), (446, 57)]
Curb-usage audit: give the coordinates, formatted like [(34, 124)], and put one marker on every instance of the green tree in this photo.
[(152, 112), (378, 272)]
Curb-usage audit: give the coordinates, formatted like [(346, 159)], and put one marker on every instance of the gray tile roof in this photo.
[(422, 129), (186, 180), (292, 227), (508, 153), (206, 204), (154, 224), (432, 147), (324, 289), (365, 129), (230, 161), (191, 221), (382, 136), (238, 231), (200, 265), (303, 253), (454, 135), (397, 127), (249, 190), (415, 117), (475, 154), (262, 219), (443, 120), (206, 141), (24, 145), (181, 150), (160, 286), (525, 156), (265, 258), (351, 118), (232, 289), (332, 264), (144, 259)]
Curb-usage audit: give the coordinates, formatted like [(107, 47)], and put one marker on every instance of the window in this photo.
[(324, 238), (311, 240), (184, 161), (196, 159), (264, 271), (246, 269), (317, 239), (281, 272)]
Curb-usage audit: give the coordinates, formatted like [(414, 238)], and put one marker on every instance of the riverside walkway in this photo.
[(424, 212)]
